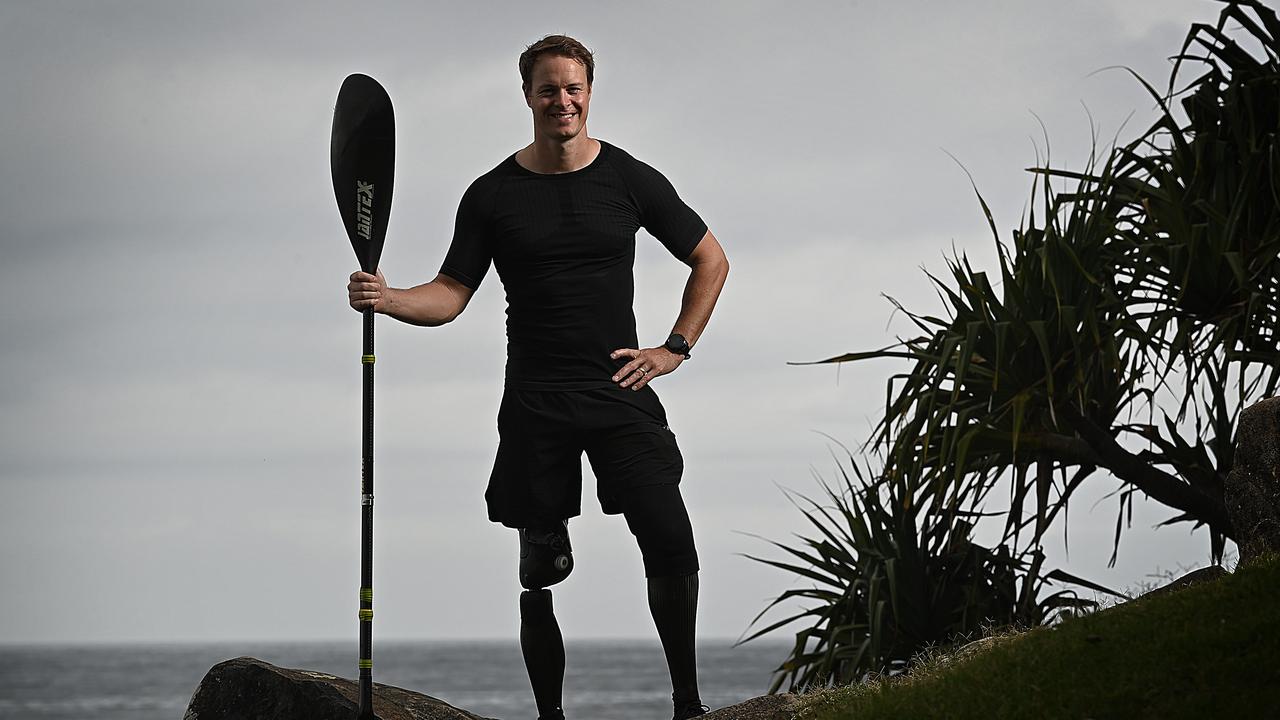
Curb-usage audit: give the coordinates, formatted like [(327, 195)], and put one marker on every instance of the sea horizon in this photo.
[(163, 642), (605, 679)]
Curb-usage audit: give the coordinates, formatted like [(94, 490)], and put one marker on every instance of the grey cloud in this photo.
[(180, 385)]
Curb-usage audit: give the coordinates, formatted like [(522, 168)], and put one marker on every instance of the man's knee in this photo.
[(657, 517), (670, 562), (546, 557)]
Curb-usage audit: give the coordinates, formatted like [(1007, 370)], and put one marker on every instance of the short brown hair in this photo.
[(558, 46)]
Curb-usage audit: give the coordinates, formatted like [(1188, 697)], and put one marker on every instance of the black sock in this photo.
[(543, 649), (673, 601)]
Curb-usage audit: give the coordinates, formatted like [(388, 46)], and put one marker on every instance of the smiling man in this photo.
[(558, 221)]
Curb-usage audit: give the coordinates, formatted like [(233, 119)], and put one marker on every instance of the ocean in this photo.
[(604, 679)]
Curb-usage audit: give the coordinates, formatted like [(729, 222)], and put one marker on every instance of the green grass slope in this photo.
[(1207, 651)]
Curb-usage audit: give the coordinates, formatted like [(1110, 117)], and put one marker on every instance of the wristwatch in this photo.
[(678, 345)]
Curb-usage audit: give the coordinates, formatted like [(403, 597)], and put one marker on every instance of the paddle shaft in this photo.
[(366, 528), (362, 162)]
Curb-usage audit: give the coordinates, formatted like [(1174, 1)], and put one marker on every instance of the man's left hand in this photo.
[(645, 365)]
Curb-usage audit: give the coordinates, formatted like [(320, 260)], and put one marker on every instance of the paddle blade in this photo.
[(362, 156)]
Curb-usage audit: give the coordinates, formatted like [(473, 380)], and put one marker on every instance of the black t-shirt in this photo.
[(564, 246)]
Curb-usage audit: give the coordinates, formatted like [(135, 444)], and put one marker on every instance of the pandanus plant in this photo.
[(1156, 276)]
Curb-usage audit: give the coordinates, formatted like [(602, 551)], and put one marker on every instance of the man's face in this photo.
[(559, 96)]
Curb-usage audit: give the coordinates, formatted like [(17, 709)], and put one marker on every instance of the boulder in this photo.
[(1252, 488), (249, 689)]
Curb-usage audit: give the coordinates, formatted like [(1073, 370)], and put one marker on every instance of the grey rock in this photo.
[(1195, 577), (249, 689), (782, 706), (1252, 488), (968, 650)]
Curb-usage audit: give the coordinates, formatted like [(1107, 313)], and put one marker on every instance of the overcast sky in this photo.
[(179, 446)]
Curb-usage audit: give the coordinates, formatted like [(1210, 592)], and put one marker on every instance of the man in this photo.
[(558, 219)]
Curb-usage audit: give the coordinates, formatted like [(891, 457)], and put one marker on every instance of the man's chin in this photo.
[(564, 134)]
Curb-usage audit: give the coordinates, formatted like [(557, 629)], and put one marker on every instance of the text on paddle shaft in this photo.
[(364, 206)]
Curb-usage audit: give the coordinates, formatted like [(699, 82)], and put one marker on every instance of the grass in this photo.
[(1207, 651)]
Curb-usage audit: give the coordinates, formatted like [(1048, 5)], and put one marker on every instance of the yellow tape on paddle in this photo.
[(367, 359), (366, 615)]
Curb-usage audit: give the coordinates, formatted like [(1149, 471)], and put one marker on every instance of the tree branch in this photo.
[(1156, 483)]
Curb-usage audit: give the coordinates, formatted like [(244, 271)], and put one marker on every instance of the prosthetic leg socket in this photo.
[(546, 557)]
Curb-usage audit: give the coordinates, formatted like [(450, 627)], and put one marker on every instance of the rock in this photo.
[(1252, 488), (1195, 577), (782, 706), (249, 689)]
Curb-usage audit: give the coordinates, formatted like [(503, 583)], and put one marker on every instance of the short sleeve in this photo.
[(470, 251), (662, 212)]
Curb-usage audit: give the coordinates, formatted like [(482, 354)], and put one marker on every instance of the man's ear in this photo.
[(524, 90)]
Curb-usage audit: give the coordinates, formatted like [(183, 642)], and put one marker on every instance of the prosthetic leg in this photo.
[(545, 559)]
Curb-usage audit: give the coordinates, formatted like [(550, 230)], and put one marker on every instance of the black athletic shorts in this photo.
[(537, 475)]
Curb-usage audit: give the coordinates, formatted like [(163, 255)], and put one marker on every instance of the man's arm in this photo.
[(708, 269), (431, 304)]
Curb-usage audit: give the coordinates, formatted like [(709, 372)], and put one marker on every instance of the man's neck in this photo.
[(549, 157)]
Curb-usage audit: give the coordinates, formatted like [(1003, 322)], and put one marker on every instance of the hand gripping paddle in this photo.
[(362, 156)]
